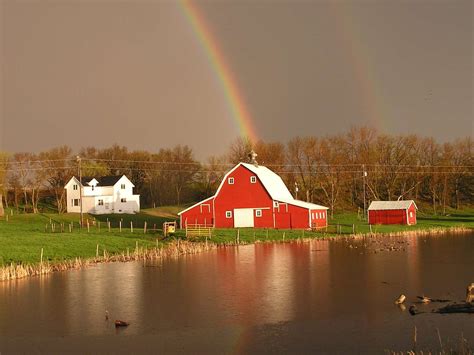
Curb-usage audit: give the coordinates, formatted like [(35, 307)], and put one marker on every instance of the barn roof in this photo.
[(308, 205), (272, 182), (391, 205)]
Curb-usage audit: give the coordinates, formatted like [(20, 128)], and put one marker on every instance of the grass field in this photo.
[(24, 235)]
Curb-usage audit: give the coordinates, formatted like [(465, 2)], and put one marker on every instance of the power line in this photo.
[(311, 165), (370, 172)]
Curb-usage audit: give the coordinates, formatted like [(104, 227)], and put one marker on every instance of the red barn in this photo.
[(392, 212), (254, 196)]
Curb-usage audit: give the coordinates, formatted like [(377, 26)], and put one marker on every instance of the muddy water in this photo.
[(322, 296)]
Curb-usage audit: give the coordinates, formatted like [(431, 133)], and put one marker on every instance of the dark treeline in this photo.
[(332, 170)]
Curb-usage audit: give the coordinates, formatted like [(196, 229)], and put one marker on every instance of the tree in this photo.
[(58, 165)]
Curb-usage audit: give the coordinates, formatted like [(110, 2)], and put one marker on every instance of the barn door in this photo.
[(243, 217)]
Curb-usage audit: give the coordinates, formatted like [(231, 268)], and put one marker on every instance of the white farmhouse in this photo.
[(106, 194)]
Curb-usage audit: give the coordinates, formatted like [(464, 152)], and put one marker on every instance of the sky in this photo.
[(135, 73)]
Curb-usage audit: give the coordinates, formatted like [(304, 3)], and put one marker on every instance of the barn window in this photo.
[(122, 186), (275, 204), (253, 179), (231, 181), (100, 202), (74, 187), (228, 214), (123, 200), (258, 213), (75, 202), (324, 214), (411, 214), (92, 188)]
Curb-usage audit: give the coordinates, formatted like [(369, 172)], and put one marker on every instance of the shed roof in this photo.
[(391, 205)]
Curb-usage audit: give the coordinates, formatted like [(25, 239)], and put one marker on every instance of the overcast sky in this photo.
[(94, 73)]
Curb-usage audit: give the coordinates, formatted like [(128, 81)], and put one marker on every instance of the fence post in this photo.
[(283, 236), (238, 236), (120, 226), (144, 228), (353, 229), (131, 226)]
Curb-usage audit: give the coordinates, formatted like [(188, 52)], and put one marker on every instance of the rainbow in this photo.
[(218, 63), (371, 100)]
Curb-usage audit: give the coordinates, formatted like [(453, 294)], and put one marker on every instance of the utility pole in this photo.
[(78, 158), (364, 175)]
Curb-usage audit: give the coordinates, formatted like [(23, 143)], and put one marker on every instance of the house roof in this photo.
[(109, 180), (391, 205)]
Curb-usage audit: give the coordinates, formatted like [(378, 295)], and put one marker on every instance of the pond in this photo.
[(319, 296)]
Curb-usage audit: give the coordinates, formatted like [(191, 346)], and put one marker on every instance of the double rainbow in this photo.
[(218, 63)]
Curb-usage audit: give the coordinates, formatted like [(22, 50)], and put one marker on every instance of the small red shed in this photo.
[(392, 212), (252, 195)]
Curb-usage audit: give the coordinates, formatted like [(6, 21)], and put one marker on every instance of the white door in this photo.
[(243, 217)]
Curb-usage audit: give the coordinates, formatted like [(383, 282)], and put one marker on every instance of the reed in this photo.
[(171, 250)]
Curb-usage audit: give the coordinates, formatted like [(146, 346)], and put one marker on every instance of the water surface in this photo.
[(322, 296)]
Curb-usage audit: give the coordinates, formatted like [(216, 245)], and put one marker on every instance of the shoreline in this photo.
[(180, 248)]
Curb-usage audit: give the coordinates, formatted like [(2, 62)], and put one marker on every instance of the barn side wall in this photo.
[(199, 214), (318, 218), (412, 210)]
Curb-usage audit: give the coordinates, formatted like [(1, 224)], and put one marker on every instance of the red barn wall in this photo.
[(412, 210), (318, 218), (242, 194), (388, 216), (199, 214)]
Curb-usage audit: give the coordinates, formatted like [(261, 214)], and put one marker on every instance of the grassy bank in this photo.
[(25, 237)]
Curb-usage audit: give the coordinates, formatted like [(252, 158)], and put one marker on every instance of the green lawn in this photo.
[(23, 236)]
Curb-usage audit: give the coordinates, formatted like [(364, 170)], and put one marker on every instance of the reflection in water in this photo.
[(298, 297)]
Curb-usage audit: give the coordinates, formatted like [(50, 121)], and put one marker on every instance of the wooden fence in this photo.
[(199, 230)]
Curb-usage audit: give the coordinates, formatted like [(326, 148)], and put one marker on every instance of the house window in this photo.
[(228, 214), (123, 200), (253, 179), (275, 204), (75, 202), (258, 213), (100, 202), (122, 186), (74, 187), (231, 181), (92, 188)]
